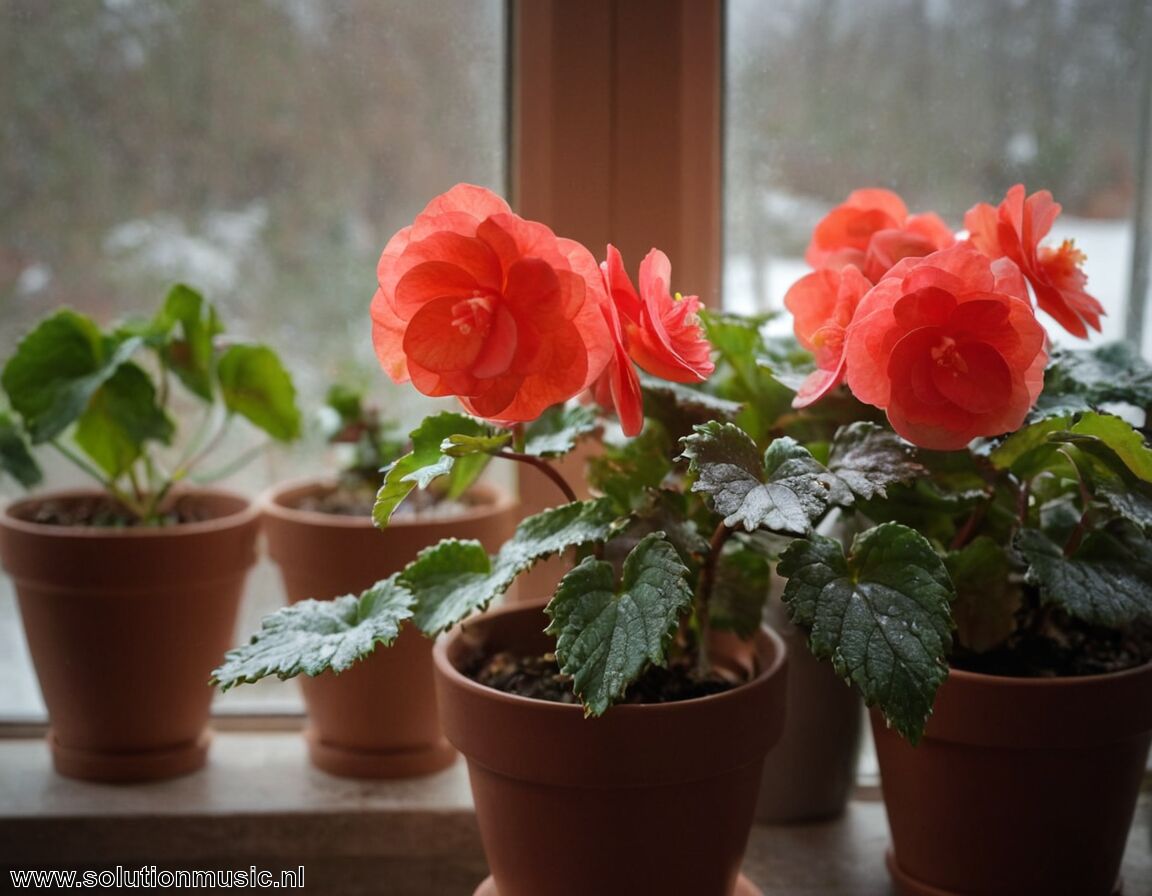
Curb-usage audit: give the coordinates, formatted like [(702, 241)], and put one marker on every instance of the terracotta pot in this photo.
[(1020, 786), (644, 800), (377, 719), (125, 626), (809, 774)]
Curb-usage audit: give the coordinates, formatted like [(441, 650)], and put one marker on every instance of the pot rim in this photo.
[(246, 512), (986, 680), (622, 711), (271, 502)]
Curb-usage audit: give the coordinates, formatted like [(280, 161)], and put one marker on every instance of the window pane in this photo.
[(261, 151), (949, 102)]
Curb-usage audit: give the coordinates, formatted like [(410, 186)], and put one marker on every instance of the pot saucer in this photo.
[(903, 885), (744, 887), (130, 765), (349, 762)]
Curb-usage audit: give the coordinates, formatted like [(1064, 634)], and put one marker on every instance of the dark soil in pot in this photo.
[(539, 677)]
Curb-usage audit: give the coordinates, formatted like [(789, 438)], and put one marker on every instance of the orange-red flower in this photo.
[(822, 305), (657, 331), (476, 302), (949, 347), (1014, 230), (872, 230)]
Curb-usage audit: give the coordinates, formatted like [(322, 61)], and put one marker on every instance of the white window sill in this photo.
[(260, 802)]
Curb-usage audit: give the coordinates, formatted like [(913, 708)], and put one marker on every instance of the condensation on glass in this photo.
[(948, 102), (261, 151)]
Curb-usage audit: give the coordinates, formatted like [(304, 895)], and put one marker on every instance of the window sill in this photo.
[(260, 802)]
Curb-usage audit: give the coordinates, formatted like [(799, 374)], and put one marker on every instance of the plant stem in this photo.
[(964, 535), (704, 594), (107, 484), (544, 467)]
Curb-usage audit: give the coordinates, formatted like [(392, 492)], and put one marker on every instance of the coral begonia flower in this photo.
[(872, 230), (662, 332), (949, 347), (822, 305), (476, 302), (1014, 230), (618, 388)]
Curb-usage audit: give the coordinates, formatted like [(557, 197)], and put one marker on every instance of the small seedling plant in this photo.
[(111, 401)]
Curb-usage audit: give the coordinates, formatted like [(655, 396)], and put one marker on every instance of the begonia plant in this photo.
[(734, 447)]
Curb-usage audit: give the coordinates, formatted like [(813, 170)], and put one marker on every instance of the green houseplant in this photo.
[(1034, 490), (145, 572), (478, 303), (379, 718)]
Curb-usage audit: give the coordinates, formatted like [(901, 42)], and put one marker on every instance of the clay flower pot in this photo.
[(1020, 786), (646, 799), (377, 719), (125, 626)]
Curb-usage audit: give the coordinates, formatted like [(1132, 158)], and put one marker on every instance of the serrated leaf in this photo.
[(667, 511), (605, 636), (1078, 379), (188, 326), (740, 589), (121, 416), (425, 462), (881, 615), (56, 368), (1130, 500), (451, 580), (1107, 581), (454, 578), (255, 385), (315, 636), (15, 458), (868, 458), (556, 432), (785, 493), (986, 600)]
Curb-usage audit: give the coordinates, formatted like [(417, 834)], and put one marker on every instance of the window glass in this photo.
[(948, 102), (262, 152)]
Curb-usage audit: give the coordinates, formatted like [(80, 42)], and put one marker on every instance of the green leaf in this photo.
[(452, 580), (1117, 435), (457, 446), (605, 636), (425, 462), (741, 588), (313, 636), (868, 458), (347, 402), (1028, 451), (881, 615), (56, 369), (255, 385), (1107, 581), (679, 407), (986, 599), (189, 325), (556, 432), (625, 472), (1078, 379), (455, 578), (121, 417), (785, 493), (15, 458)]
